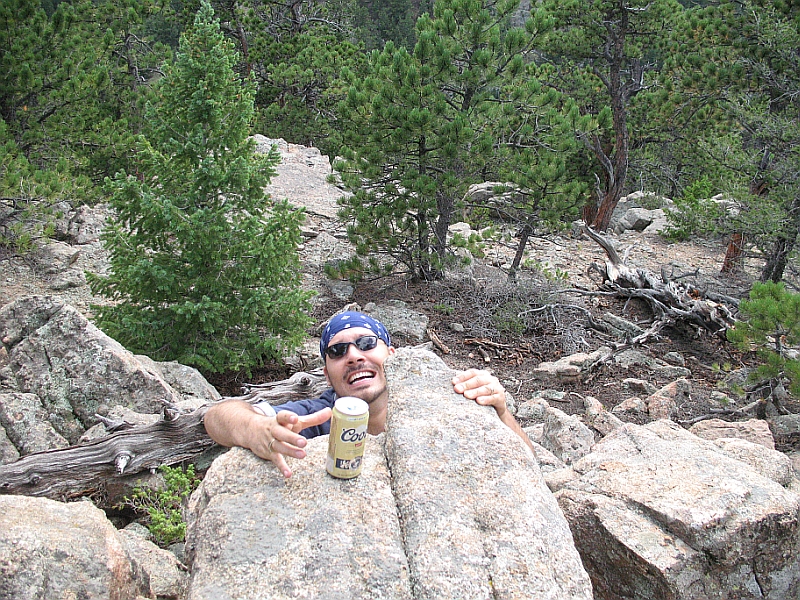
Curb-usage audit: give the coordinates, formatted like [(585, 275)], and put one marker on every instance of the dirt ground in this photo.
[(486, 322), (478, 321)]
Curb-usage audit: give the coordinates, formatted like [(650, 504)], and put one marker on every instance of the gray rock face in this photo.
[(453, 507), (8, 452), (74, 368), (478, 520), (168, 577), (302, 177), (25, 421), (252, 534), (659, 513), (406, 325), (51, 549), (61, 370)]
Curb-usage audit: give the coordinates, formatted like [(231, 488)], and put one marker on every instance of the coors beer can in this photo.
[(347, 438)]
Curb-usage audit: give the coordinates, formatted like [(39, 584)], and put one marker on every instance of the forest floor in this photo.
[(486, 322)]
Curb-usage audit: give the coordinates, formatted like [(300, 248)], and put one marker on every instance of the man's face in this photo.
[(358, 373)]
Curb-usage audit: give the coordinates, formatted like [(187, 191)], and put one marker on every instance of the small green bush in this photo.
[(160, 509), (694, 213), (771, 327)]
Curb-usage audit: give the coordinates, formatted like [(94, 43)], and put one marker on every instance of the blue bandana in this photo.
[(347, 320)]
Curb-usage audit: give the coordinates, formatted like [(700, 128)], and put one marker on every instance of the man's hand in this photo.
[(237, 423), (486, 390), (283, 437), (483, 387)]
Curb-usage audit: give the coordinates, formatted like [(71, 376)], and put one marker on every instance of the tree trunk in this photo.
[(523, 242), (733, 255), (615, 164), (783, 246)]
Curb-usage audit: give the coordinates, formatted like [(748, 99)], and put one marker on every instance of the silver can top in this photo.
[(351, 406)]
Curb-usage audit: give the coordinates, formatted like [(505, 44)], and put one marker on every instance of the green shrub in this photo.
[(771, 327), (694, 213), (204, 266), (160, 509)]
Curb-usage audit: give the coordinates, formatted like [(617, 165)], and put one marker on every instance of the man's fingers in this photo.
[(279, 461), (286, 440), (316, 418)]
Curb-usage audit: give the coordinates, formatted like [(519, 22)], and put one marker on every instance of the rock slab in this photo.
[(659, 513), (478, 520), (253, 535)]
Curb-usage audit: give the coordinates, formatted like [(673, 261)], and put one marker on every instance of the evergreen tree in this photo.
[(735, 68), (771, 327), (603, 54), (70, 82), (203, 267), (427, 124), (296, 52)]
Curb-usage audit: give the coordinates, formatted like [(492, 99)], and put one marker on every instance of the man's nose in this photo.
[(357, 354)]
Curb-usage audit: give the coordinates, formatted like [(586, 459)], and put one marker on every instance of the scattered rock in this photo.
[(168, 577), (566, 436), (405, 324), (629, 358), (52, 549), (570, 368), (598, 417), (664, 403), (752, 430)]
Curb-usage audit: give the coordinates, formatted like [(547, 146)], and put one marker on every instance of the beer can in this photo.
[(347, 438)]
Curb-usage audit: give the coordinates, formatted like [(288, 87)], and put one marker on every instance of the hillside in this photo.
[(482, 319)]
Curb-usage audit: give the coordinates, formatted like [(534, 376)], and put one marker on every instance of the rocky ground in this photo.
[(482, 319), (460, 313)]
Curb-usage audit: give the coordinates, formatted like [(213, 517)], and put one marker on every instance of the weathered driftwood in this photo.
[(85, 469), (669, 300)]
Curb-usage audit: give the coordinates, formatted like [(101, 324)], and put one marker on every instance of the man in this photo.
[(354, 347)]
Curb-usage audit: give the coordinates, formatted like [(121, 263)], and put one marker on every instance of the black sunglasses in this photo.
[(364, 343)]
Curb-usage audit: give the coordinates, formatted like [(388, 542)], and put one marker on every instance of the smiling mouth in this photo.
[(360, 376)]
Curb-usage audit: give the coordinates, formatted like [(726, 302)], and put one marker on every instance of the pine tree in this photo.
[(770, 325), (603, 53), (203, 267), (733, 80), (462, 108)]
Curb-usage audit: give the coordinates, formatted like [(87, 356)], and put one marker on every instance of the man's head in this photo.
[(354, 347)]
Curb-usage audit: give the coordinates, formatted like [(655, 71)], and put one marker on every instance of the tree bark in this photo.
[(784, 245), (733, 255), (85, 469)]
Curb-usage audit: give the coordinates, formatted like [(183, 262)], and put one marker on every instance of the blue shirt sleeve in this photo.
[(307, 407)]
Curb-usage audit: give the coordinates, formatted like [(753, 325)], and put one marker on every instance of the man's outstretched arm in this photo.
[(237, 423), (486, 390)]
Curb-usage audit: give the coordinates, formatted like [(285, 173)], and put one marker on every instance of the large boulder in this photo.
[(659, 513), (478, 520), (451, 508), (51, 549), (76, 372)]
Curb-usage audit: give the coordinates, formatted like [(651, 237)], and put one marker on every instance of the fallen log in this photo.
[(670, 301), (85, 469)]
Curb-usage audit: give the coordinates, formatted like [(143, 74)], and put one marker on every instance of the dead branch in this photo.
[(489, 349), (669, 301), (438, 342), (714, 413), (86, 468)]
